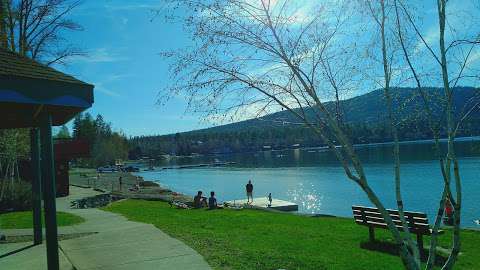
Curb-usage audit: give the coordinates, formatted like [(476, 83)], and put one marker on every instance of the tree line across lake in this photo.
[(363, 119)]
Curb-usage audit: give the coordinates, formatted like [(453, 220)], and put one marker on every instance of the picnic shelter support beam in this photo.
[(36, 186), (48, 179)]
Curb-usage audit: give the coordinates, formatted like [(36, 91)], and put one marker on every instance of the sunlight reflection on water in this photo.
[(308, 199)]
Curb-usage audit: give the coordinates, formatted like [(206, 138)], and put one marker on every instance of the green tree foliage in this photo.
[(106, 145), (63, 133), (14, 145)]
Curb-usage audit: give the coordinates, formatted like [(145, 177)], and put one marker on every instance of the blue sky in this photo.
[(123, 46), (123, 63)]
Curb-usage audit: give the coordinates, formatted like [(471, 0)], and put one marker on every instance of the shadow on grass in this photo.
[(16, 251), (393, 249)]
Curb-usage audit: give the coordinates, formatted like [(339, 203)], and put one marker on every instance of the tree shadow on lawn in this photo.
[(27, 246), (393, 249)]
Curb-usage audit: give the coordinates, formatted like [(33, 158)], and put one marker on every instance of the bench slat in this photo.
[(393, 216), (379, 218), (391, 211), (415, 226)]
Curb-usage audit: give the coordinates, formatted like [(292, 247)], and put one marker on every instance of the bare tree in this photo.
[(379, 10), (34, 28), (450, 66), (267, 55), (12, 147)]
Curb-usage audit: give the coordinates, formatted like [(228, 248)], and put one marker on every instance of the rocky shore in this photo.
[(109, 182)]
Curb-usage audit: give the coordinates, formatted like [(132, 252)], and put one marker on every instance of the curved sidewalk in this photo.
[(120, 243)]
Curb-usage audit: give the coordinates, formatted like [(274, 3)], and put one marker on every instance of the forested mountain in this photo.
[(364, 118)]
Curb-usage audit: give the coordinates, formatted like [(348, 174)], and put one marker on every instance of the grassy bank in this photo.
[(253, 239), (24, 220)]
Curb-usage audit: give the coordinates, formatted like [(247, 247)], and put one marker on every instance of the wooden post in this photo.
[(371, 233), (48, 177), (420, 243), (36, 186)]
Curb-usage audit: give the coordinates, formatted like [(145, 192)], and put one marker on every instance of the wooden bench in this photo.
[(371, 217)]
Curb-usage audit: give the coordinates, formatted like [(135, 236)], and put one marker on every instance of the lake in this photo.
[(314, 180)]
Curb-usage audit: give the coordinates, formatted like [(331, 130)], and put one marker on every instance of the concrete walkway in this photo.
[(118, 243), (26, 256)]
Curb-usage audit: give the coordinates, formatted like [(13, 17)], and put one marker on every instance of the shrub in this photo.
[(18, 198), (148, 184)]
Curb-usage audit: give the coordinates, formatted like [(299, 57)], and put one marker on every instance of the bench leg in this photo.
[(420, 244), (371, 233)]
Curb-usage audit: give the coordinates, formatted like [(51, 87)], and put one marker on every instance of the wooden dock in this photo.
[(263, 203), (191, 166)]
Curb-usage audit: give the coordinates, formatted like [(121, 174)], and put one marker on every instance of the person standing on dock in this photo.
[(120, 183), (249, 188)]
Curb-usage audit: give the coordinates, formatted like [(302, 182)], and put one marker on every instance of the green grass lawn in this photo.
[(23, 220), (254, 239)]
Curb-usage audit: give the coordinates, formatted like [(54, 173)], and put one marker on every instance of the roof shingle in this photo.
[(12, 64)]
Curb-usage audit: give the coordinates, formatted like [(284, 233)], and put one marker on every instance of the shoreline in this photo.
[(109, 182), (314, 215), (154, 191)]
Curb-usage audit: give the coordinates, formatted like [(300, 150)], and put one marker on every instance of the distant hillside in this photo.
[(369, 108), (365, 117)]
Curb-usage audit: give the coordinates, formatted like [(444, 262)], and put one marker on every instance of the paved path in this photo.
[(118, 243), (26, 256)]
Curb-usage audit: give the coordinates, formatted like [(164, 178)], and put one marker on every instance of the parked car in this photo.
[(106, 169), (130, 168)]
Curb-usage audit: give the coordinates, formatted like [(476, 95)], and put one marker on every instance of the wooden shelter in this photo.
[(65, 150), (36, 96)]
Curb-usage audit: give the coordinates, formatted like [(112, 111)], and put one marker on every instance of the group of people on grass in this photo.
[(199, 201)]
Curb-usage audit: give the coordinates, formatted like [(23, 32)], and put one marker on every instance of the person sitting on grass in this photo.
[(212, 201), (199, 201), (135, 187)]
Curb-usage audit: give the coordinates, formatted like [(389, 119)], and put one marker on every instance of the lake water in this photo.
[(314, 180)]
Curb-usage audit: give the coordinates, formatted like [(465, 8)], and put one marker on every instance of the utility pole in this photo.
[(3, 24)]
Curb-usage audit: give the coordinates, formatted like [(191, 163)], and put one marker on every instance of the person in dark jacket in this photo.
[(249, 188)]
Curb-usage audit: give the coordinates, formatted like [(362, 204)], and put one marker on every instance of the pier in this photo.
[(191, 166), (262, 203)]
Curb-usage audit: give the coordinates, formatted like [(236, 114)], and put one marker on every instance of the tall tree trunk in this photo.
[(451, 157), (412, 261), (3, 24), (4, 182), (11, 26)]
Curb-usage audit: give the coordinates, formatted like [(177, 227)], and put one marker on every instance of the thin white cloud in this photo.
[(99, 86), (100, 55), (152, 5)]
